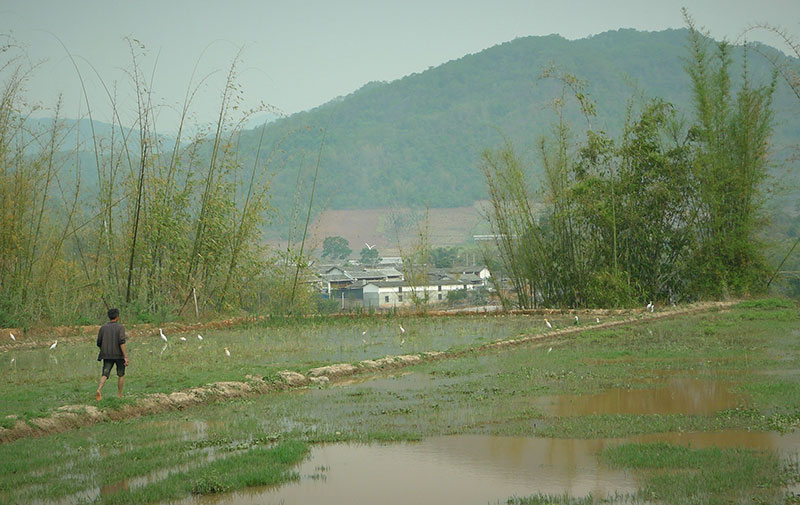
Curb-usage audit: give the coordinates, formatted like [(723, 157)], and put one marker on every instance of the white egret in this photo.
[(364, 333), (12, 337), (54, 345), (402, 330), (549, 350), (596, 319), (13, 361), (369, 246), (576, 320), (163, 337), (650, 306), (199, 337), (183, 339), (227, 352), (548, 323)]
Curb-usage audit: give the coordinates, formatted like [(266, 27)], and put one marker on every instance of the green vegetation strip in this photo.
[(680, 475), (255, 467)]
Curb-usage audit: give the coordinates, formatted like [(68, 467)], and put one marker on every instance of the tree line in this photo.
[(668, 211), (166, 229)]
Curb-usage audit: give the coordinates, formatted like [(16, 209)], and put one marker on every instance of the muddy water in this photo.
[(787, 445), (472, 469), (442, 470), (488, 469), (672, 395)]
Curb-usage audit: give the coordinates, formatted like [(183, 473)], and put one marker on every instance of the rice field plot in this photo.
[(744, 361), (37, 381)]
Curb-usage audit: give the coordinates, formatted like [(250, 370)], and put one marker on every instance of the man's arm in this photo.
[(124, 353), (100, 338)]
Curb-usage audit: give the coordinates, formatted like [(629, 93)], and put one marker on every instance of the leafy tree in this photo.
[(370, 256), (667, 212), (456, 296), (443, 257), (733, 131), (337, 248)]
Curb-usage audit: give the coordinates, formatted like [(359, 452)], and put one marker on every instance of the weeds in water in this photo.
[(255, 467), (541, 499), (433, 398), (210, 482), (711, 476)]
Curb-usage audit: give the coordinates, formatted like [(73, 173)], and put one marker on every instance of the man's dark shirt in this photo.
[(109, 338)]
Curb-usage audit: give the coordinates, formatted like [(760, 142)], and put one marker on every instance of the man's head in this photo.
[(113, 314)]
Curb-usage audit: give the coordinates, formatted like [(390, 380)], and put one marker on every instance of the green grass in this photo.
[(254, 467), (541, 499), (768, 303), (683, 475), (489, 392), (42, 380)]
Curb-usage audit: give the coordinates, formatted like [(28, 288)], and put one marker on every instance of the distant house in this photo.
[(337, 278), (482, 272), (389, 294), (386, 286), (391, 261), (472, 277)]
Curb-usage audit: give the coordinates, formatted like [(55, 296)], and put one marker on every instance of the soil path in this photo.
[(69, 417)]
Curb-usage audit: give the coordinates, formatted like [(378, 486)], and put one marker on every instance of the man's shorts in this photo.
[(108, 364)]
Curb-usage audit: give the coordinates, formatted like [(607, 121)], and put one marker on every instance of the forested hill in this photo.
[(417, 141)]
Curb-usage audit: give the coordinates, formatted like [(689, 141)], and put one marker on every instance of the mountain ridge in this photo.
[(416, 141)]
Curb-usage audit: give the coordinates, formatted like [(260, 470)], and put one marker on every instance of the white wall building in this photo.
[(388, 294)]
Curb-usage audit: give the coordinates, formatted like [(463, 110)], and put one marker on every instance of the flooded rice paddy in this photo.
[(489, 423), (670, 395), (461, 469), (473, 469), (443, 470)]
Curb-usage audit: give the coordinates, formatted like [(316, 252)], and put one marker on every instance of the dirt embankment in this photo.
[(73, 416)]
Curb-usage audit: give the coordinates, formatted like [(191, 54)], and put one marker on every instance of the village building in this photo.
[(385, 286), (338, 278), (391, 294)]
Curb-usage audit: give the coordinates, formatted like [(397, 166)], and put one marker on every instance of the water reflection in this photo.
[(443, 470), (402, 381), (787, 445), (473, 469), (674, 395)]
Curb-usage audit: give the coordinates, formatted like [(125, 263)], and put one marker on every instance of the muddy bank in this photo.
[(72, 416)]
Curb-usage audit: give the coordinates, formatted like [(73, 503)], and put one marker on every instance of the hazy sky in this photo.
[(299, 54)]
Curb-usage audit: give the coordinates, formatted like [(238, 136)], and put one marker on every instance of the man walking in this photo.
[(111, 341)]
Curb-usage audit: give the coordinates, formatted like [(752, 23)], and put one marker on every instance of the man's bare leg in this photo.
[(98, 396), (120, 383)]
